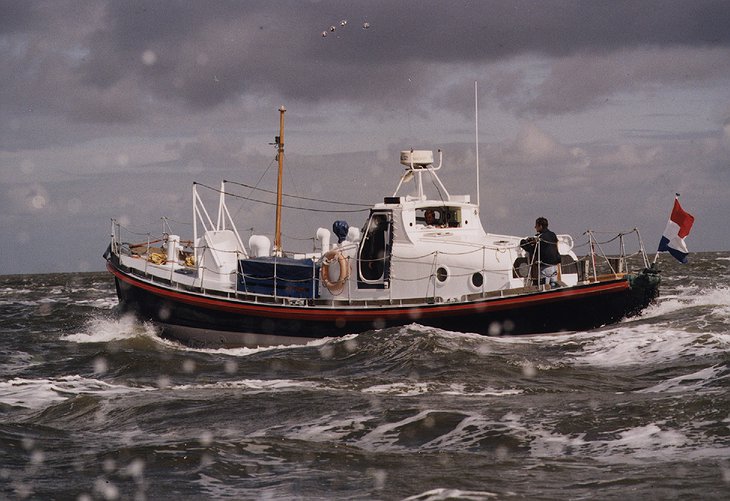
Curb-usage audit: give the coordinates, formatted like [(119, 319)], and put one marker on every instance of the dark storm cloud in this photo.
[(115, 61)]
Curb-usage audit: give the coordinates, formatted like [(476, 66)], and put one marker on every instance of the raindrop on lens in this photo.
[(100, 365), (149, 57), (529, 370), (188, 366), (230, 366), (163, 382), (326, 351), (351, 345), (206, 438)]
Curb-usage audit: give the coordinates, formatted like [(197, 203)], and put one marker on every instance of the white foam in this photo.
[(442, 494), (15, 292), (103, 330), (689, 382), (245, 351), (415, 389), (460, 390), (39, 393), (688, 297), (649, 441), (255, 385), (652, 344), (324, 428), (402, 389), (100, 303), (30, 393)]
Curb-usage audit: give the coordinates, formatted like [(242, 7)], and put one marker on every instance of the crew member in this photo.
[(544, 248)]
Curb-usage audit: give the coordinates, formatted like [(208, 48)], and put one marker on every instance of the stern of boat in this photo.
[(644, 289)]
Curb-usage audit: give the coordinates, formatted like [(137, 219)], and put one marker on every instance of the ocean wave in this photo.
[(40, 393), (654, 441), (18, 362), (690, 383), (503, 436), (103, 329), (324, 345), (252, 386), (652, 344), (443, 494), (421, 388)]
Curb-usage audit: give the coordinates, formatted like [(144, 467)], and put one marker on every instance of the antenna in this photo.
[(476, 133)]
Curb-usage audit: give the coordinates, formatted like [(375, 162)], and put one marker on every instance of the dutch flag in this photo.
[(680, 222)]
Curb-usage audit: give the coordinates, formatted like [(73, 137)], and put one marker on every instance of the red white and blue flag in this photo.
[(680, 222)]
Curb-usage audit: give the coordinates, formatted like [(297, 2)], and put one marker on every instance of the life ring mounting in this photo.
[(335, 286)]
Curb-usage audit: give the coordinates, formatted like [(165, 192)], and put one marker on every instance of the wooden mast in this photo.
[(280, 157)]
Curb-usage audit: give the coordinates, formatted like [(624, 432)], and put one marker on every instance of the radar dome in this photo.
[(416, 158)]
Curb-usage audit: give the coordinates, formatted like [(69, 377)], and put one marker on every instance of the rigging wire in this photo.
[(297, 196), (240, 208), (310, 209)]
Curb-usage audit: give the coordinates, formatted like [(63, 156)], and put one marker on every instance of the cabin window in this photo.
[(439, 217), (442, 274), (477, 280)]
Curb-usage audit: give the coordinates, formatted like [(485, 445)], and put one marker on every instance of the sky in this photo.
[(592, 114)]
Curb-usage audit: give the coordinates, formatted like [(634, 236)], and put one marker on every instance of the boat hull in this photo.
[(205, 319)]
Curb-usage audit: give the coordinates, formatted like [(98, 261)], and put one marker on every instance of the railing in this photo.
[(600, 262), (595, 265)]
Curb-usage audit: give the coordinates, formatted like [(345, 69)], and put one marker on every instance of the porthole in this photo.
[(477, 280), (442, 274)]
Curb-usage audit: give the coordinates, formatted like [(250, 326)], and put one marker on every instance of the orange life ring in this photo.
[(335, 287)]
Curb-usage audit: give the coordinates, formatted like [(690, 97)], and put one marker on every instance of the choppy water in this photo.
[(96, 406)]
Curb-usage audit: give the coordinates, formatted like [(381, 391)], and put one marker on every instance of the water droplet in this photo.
[(188, 366), (149, 57), (39, 202), (100, 365)]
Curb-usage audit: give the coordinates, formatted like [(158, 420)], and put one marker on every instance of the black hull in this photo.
[(218, 321)]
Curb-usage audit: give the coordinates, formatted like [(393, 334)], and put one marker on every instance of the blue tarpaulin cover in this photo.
[(291, 277)]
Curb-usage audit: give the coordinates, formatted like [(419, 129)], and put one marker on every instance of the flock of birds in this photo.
[(343, 23)]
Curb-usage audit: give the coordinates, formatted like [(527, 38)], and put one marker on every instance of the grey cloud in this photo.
[(206, 54), (579, 82)]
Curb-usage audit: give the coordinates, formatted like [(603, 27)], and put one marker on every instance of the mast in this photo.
[(476, 134), (280, 157)]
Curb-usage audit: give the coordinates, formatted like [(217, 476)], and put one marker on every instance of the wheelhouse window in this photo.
[(439, 217)]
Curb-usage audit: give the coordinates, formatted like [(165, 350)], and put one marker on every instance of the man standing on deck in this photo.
[(546, 243)]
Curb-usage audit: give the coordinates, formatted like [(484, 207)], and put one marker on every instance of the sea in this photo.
[(95, 405)]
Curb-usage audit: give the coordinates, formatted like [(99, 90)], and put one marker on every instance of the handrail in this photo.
[(434, 259)]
